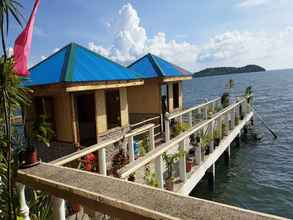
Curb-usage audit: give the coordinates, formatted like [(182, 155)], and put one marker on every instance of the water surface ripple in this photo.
[(260, 175)]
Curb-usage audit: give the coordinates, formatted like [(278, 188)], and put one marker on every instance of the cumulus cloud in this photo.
[(232, 48), (131, 41)]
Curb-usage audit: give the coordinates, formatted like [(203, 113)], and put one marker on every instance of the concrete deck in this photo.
[(126, 200)]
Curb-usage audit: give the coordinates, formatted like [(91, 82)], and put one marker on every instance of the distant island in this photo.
[(228, 70)]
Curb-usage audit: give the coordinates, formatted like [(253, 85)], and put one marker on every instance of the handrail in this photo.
[(177, 114), (135, 165), (139, 130), (147, 120), (81, 153)]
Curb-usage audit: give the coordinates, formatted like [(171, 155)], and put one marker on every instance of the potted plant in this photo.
[(151, 178), (180, 127), (224, 129), (189, 163), (205, 141), (170, 160), (119, 160), (41, 132), (236, 121), (131, 177), (217, 137)]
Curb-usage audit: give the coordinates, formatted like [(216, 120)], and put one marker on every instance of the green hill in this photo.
[(228, 70)]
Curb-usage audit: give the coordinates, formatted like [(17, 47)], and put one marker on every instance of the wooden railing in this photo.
[(227, 116)]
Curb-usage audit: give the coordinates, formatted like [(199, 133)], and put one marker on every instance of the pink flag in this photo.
[(22, 45)]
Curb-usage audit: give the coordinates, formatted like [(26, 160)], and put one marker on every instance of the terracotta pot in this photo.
[(30, 158), (169, 185), (189, 164), (75, 207), (217, 142)]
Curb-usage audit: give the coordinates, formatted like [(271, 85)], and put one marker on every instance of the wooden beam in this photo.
[(181, 78), (102, 85)]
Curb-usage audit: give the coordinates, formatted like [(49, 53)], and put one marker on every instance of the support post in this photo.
[(131, 149), (102, 162), (152, 138), (210, 131), (182, 160), (190, 118), (227, 154), (198, 155), (23, 208), (212, 177), (159, 171), (206, 113), (58, 206), (167, 130)]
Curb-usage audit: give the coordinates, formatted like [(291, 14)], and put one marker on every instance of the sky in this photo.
[(194, 34)]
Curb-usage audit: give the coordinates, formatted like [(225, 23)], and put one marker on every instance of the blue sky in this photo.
[(194, 34)]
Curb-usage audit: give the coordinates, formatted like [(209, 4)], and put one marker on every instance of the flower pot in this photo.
[(207, 150), (169, 185), (189, 164), (30, 158), (216, 142), (75, 207), (131, 178)]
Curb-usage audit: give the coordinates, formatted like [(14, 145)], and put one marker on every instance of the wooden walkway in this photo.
[(126, 200)]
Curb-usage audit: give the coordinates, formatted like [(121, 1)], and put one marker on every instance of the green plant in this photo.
[(40, 205), (217, 133), (170, 160), (151, 178), (248, 91), (41, 131), (224, 129), (180, 128), (144, 147)]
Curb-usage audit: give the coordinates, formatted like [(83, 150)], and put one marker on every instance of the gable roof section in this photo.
[(152, 66), (75, 63)]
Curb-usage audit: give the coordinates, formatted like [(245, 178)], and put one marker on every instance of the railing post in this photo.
[(159, 171), (58, 206), (102, 162), (210, 131), (131, 149), (167, 128), (206, 113), (23, 208), (180, 119), (152, 138), (182, 160), (190, 118)]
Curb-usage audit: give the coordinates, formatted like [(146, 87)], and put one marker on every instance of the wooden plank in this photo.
[(103, 85), (173, 79)]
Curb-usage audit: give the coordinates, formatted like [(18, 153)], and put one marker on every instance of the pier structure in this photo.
[(227, 123), (123, 147)]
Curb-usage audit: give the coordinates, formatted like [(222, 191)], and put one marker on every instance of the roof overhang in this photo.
[(76, 87), (177, 78), (55, 89)]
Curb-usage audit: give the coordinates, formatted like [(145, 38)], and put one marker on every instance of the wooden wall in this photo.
[(170, 96), (63, 118), (145, 98), (101, 117), (124, 107)]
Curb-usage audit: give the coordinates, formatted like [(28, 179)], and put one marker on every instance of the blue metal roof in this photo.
[(75, 63), (152, 66)]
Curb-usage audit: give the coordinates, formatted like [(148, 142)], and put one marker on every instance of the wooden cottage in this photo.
[(84, 96), (162, 90)]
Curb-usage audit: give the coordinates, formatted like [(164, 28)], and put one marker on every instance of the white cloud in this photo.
[(131, 41), (252, 3), (232, 48)]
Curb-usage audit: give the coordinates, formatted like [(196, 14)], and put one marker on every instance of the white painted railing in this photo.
[(203, 109), (227, 116)]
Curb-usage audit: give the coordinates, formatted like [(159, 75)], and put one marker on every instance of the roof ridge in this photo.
[(154, 62)]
